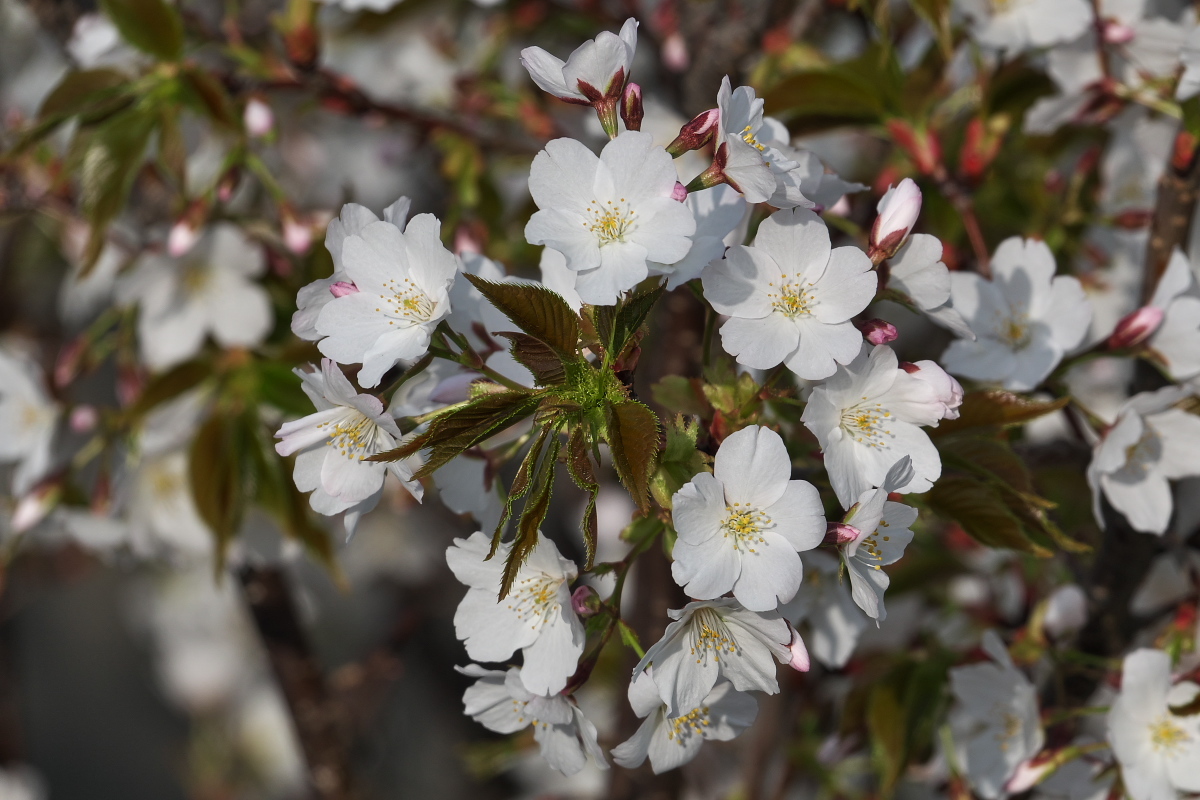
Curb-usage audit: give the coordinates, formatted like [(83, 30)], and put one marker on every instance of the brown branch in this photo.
[(321, 722), (1172, 220)]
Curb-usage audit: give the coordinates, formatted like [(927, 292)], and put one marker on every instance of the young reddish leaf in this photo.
[(520, 485), (982, 512), (538, 357), (997, 407), (633, 439), (579, 464), (537, 311), (83, 92), (217, 477), (532, 516)]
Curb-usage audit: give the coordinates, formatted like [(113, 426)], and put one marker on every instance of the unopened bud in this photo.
[(840, 533), (70, 358), (898, 211), (680, 193), (1117, 32), (947, 392), (1135, 328), (1066, 610), (878, 331), (186, 230), (297, 235), (631, 107), (83, 419), (342, 288), (675, 54), (1133, 219), (258, 118), (585, 602), (921, 146), (34, 506), (697, 133), (800, 660), (228, 184)]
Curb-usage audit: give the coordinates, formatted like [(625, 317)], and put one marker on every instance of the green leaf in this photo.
[(682, 395), (982, 513), (537, 311), (579, 465), (532, 516), (887, 727), (859, 91), (538, 357), (216, 465), (170, 385), (107, 159), (279, 387), (629, 638), (680, 461), (151, 26), (84, 92), (633, 440), (627, 319), (466, 425), (521, 484), (997, 407), (205, 95)]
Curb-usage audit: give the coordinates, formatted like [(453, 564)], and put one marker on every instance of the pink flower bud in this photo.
[(1066, 610), (1135, 328), (1029, 774), (680, 193), (584, 601), (342, 288), (1117, 32), (258, 118), (36, 505), (182, 238), (898, 212), (878, 331), (70, 358), (631, 107), (840, 533), (675, 52), (465, 241), (297, 236), (800, 660), (947, 392), (83, 419), (697, 133)]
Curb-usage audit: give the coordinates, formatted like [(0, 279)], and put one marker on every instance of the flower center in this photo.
[(868, 550), (195, 278), (1010, 726), (748, 138), (1015, 331), (611, 222), (745, 526), (709, 634), (864, 423), (687, 725), (354, 436), (793, 299), (1142, 453), (407, 302), (1167, 735), (165, 482), (521, 709), (535, 599)]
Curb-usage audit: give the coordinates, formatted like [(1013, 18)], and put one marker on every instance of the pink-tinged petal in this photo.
[(878, 331), (799, 660), (342, 288)]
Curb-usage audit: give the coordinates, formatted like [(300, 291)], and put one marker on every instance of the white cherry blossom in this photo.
[(316, 295), (1025, 319), (917, 270), (401, 284), (741, 528), (28, 421), (825, 605), (1150, 444), (714, 639), (1176, 340), (748, 151), (209, 290), (499, 701), (996, 725), (1015, 26), (671, 742), (609, 215), (1158, 751), (867, 417), (790, 297), (718, 212), (883, 533), (536, 617), (331, 447), (598, 68)]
